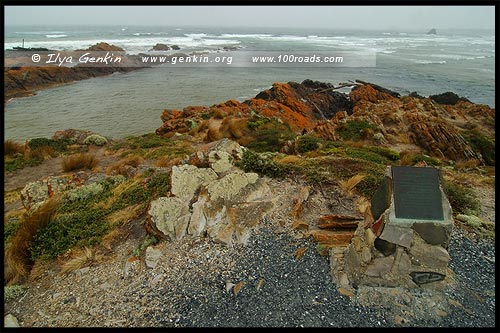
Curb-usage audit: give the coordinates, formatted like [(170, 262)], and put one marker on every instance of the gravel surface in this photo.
[(191, 286)]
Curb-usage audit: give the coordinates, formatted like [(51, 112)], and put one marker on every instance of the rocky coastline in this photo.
[(235, 214)]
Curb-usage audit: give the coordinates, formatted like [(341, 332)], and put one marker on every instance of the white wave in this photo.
[(427, 62), (245, 35), (131, 45), (38, 32), (198, 36), (453, 56), (56, 36), (142, 34)]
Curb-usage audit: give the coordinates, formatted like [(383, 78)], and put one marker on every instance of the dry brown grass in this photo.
[(12, 196), (291, 159), (116, 194), (166, 161), (80, 258), (213, 131), (120, 168), (347, 186), (44, 152), (219, 114), (112, 238), (78, 162), (464, 165), (11, 148), (17, 255), (123, 216), (234, 128), (406, 158)]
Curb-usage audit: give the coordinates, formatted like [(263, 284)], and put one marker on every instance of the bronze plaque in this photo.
[(416, 193)]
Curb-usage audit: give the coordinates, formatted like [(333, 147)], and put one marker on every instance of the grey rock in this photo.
[(10, 321), (433, 233), (153, 255), (379, 266)]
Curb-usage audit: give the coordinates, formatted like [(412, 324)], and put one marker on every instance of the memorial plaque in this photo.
[(416, 193), (382, 198)]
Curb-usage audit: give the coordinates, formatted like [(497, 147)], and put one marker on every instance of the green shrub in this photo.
[(369, 185), (462, 199), (254, 162), (306, 143), (82, 228), (11, 292), (366, 155), (270, 136), (428, 160), (149, 140), (352, 129), (154, 186), (482, 144), (59, 145), (385, 152), (10, 229), (256, 122), (95, 139)]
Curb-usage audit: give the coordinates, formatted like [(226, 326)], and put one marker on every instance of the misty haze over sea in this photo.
[(461, 61)]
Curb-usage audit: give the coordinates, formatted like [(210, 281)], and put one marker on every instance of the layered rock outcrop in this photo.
[(217, 200), (298, 105), (437, 125)]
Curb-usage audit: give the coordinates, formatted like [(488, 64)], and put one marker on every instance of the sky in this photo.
[(349, 17)]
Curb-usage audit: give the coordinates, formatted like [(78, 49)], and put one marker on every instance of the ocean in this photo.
[(461, 61)]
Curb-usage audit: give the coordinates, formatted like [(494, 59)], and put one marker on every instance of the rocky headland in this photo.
[(236, 214)]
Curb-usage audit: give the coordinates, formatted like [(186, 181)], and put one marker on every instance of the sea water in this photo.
[(461, 61)]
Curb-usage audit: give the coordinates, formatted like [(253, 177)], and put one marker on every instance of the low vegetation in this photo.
[(462, 198), (79, 219), (79, 162), (33, 153), (70, 225)]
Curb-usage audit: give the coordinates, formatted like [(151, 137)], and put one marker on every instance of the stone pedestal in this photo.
[(404, 237)]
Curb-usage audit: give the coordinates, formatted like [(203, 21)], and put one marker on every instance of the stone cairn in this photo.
[(403, 239)]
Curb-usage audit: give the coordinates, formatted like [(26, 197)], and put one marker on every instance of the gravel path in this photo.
[(194, 283)]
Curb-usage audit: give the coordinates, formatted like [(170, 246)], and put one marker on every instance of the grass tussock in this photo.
[(17, 254), (462, 198), (167, 161), (122, 167), (124, 215), (12, 148), (79, 162), (347, 186), (465, 165), (80, 258)]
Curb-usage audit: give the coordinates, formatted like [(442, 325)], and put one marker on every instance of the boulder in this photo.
[(103, 46), (448, 98), (161, 47)]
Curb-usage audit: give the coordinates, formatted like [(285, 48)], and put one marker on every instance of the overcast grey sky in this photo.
[(362, 17)]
